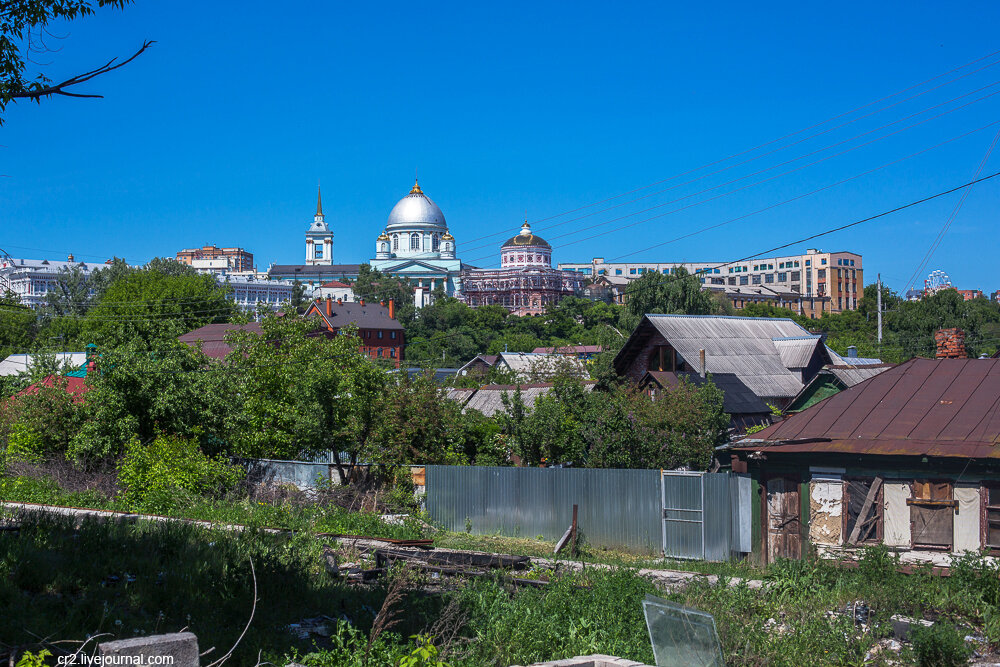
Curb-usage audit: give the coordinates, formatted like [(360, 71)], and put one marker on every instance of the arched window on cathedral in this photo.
[(435, 243), (414, 241), (395, 241)]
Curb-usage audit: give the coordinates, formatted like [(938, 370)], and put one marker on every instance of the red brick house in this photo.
[(382, 336)]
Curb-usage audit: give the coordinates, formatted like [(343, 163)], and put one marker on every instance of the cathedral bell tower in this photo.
[(319, 238)]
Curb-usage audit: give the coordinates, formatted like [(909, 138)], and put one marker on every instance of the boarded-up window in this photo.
[(861, 498), (991, 516), (932, 514)]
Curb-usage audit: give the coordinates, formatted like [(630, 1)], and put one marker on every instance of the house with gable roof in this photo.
[(757, 361)]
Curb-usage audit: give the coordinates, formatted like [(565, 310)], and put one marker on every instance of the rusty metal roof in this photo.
[(213, 337), (924, 407)]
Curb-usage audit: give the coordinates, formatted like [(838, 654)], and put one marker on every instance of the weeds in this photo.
[(940, 645)]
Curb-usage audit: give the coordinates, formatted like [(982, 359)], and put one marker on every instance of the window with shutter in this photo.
[(991, 516), (932, 514)]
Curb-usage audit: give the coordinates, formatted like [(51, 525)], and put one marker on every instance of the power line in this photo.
[(781, 164), (768, 143), (683, 208), (951, 218)]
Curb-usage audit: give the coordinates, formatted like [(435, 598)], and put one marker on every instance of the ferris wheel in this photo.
[(937, 280)]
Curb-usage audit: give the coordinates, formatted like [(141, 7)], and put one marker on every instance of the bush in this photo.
[(939, 645), (23, 445), (169, 471)]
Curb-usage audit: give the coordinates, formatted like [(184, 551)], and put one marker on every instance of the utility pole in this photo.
[(879, 305)]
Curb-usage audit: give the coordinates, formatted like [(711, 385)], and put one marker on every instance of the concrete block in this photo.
[(901, 626), (181, 646)]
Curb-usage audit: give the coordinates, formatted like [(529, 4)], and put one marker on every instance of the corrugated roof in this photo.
[(852, 375), (797, 352), (543, 365), (924, 407), (737, 398), (569, 349), (18, 363), (839, 360), (739, 346), (460, 395), (488, 400)]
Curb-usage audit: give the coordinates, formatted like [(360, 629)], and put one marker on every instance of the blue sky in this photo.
[(221, 131)]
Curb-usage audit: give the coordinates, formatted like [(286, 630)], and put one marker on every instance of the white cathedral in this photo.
[(417, 246)]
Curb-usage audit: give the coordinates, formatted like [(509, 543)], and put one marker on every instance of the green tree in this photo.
[(617, 428), (676, 293), (24, 23), (137, 393), (20, 325), (154, 306), (298, 302), (301, 392), (420, 425), (373, 285)]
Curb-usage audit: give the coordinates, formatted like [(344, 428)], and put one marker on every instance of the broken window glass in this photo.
[(681, 636)]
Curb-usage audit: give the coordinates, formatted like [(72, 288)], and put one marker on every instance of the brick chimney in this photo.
[(362, 302), (950, 343), (392, 309), (329, 306)]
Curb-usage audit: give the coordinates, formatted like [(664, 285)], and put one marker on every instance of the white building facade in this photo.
[(32, 279), (251, 292)]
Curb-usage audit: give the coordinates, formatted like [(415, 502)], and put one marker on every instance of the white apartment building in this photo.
[(837, 275), (32, 279)]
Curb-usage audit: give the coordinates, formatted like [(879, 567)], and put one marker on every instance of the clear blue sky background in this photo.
[(220, 132)]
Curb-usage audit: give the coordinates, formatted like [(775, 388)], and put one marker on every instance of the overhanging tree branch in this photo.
[(59, 88)]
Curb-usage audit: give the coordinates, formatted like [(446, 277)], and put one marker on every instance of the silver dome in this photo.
[(415, 208)]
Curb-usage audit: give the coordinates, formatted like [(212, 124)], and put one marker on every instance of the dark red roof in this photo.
[(363, 315), (335, 283), (75, 386), (924, 407), (213, 337)]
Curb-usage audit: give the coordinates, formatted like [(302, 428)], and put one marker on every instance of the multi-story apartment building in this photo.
[(834, 279), (212, 259)]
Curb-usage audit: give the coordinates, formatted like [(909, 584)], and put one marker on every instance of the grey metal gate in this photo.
[(683, 498)]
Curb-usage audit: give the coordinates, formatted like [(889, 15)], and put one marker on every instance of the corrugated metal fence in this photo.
[(617, 508), (684, 515)]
